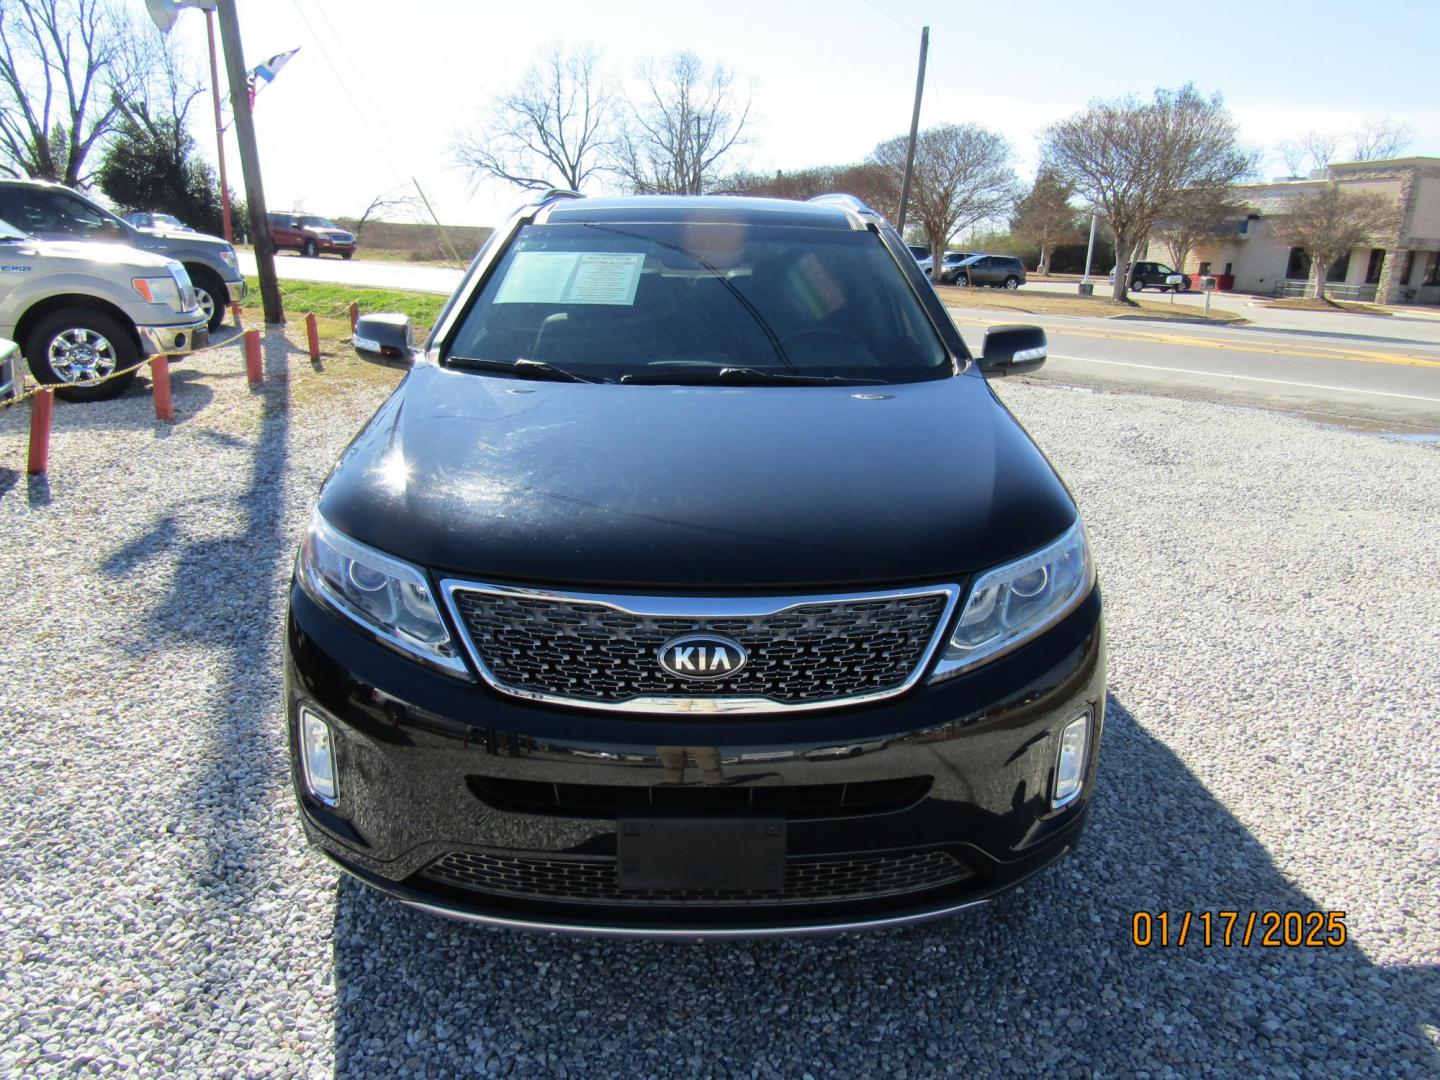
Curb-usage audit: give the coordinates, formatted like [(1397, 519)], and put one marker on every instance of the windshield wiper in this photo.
[(527, 369), (739, 375)]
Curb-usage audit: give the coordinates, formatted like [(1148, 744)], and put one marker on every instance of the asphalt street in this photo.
[(1370, 372)]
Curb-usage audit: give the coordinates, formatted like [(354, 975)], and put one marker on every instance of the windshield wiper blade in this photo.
[(528, 369), (739, 375)]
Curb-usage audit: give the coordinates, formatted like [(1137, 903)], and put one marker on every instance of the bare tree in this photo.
[(1196, 215), (1330, 222), (1312, 150), (550, 130), (65, 68), (688, 120), (1133, 158), (867, 181), (962, 177), (1045, 217), (384, 203), (1380, 137)]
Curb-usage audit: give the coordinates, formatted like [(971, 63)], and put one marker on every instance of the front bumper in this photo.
[(177, 339), (435, 773)]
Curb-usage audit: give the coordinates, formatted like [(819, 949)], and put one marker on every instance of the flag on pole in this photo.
[(256, 80)]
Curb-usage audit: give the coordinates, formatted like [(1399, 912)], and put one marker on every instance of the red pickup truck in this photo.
[(310, 235)]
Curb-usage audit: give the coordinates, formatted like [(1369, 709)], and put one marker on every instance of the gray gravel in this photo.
[(1272, 744)]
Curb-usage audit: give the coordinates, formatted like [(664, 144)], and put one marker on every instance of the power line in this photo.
[(892, 18)]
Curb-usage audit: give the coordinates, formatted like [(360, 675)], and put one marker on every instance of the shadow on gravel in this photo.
[(1044, 979)]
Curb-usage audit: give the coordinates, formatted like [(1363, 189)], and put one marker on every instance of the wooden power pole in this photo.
[(914, 132), (250, 161)]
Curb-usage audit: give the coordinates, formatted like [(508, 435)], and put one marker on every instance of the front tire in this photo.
[(346, 255), (72, 348), (310, 251), (1137, 286), (1012, 283), (210, 291), (962, 280)]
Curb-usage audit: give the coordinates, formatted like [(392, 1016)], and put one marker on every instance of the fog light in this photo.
[(317, 757), (1070, 760)]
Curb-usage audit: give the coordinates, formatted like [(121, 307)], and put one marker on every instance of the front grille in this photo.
[(581, 650), (794, 801), (592, 880)]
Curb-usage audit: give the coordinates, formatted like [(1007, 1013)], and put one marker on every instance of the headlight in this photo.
[(227, 256), (388, 597), (1013, 603), (159, 290)]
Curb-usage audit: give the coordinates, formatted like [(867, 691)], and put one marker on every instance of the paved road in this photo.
[(1358, 370)]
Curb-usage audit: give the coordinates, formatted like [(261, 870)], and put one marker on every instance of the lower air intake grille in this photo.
[(591, 880)]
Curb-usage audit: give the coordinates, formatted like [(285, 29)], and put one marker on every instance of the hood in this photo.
[(189, 239), (91, 251), (666, 487)]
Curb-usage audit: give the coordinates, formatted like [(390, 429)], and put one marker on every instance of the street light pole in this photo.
[(219, 128), (250, 162), (1089, 249), (914, 132)]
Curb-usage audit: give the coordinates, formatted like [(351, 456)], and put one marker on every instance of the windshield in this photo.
[(9, 232), (318, 222), (697, 301)]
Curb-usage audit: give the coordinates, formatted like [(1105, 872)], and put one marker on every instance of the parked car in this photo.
[(54, 212), (82, 311), (924, 256), (12, 382), (998, 271), (1155, 275), (680, 480), (144, 219), (310, 235), (949, 263)]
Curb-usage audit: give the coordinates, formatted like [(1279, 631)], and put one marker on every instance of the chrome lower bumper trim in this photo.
[(161, 339)]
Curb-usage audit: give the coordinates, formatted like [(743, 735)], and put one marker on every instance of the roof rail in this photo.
[(543, 195), (853, 206)]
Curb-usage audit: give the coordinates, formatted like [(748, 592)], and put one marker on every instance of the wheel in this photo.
[(310, 251), (73, 346), (962, 279), (1012, 282), (1137, 286), (346, 254), (210, 291)]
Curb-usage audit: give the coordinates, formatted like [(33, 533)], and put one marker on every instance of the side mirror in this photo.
[(1013, 350), (385, 339)]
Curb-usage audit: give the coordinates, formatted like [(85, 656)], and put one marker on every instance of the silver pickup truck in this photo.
[(82, 311)]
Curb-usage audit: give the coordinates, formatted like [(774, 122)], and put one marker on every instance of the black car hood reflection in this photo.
[(696, 487)]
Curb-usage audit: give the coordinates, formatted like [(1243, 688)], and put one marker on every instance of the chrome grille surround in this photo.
[(833, 632)]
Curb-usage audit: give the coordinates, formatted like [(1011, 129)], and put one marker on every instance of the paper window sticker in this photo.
[(537, 277)]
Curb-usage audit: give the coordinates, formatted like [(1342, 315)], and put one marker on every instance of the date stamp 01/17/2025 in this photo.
[(1228, 929)]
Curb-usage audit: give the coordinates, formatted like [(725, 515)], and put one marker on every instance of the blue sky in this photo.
[(378, 89)]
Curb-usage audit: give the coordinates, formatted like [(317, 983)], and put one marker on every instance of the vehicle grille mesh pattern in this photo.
[(824, 651), (594, 880)]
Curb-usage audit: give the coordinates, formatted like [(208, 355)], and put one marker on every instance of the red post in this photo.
[(312, 332), (42, 409), (254, 371), (235, 310), (354, 314), (160, 377)]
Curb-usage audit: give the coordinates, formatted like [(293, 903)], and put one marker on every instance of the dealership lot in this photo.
[(1270, 746)]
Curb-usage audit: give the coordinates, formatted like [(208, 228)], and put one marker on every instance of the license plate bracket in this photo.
[(701, 853)]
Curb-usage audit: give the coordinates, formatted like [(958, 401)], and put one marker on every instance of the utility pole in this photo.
[(219, 129), (914, 133), (1089, 254), (250, 161)]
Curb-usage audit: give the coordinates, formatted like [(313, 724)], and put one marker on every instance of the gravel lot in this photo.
[(1271, 744)]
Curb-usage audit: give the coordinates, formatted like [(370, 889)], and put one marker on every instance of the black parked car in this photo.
[(1156, 276), (999, 271), (694, 581)]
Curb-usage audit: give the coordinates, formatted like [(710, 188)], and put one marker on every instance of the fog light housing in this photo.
[(1070, 760), (317, 757)]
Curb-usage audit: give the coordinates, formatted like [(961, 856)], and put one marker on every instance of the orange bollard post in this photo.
[(160, 377), (235, 310), (312, 333), (42, 409), (254, 371), (354, 314)]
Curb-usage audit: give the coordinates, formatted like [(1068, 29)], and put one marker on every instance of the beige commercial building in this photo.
[(1401, 269)]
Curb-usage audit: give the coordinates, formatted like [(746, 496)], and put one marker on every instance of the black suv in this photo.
[(999, 271), (1156, 276), (694, 582)]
